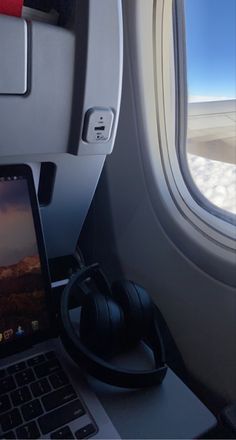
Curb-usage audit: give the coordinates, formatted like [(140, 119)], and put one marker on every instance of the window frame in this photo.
[(205, 220), (181, 84), (205, 240)]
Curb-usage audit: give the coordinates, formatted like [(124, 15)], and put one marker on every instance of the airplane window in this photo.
[(210, 32)]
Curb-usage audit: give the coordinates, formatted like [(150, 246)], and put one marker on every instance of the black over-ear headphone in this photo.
[(110, 320)]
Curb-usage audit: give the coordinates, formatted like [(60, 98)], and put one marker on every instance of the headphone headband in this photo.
[(92, 363), (93, 272)]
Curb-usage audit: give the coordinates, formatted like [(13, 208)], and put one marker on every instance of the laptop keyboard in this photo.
[(37, 399)]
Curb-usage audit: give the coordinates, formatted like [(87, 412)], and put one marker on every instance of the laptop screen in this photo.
[(23, 299)]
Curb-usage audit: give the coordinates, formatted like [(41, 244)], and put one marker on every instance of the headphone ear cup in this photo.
[(137, 307), (102, 325)]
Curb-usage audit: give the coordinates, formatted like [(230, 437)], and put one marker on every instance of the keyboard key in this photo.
[(58, 379), (16, 368), (9, 435), (28, 431), (10, 420), (58, 398), (61, 416), (20, 396), (62, 433), (7, 384), (5, 403), (36, 360), (47, 368), (2, 373), (85, 431), (25, 377), (31, 410), (41, 387)]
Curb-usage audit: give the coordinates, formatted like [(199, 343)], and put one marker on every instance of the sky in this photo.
[(211, 49), (17, 236)]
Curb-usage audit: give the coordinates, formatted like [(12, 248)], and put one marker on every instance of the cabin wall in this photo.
[(124, 234)]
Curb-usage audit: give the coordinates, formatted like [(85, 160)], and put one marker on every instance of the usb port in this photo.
[(101, 128)]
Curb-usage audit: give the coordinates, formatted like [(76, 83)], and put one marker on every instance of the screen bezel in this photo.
[(15, 346)]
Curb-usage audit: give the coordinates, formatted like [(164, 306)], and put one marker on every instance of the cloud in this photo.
[(17, 236), (17, 233), (14, 196)]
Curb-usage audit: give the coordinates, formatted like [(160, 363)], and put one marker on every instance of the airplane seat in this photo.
[(60, 87)]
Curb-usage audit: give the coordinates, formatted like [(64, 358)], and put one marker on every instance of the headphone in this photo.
[(111, 320)]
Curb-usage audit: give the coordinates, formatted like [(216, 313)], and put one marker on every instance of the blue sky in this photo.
[(211, 48)]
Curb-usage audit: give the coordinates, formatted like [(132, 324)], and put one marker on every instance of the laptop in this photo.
[(42, 392)]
